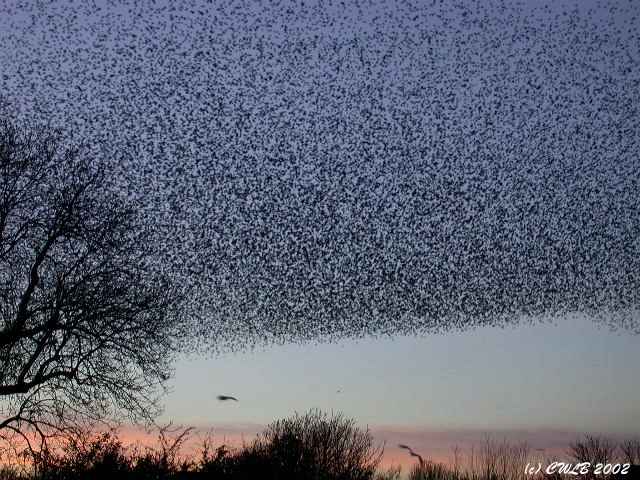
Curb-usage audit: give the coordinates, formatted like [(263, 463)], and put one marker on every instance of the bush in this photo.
[(101, 458), (313, 446)]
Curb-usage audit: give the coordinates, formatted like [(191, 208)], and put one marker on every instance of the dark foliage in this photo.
[(314, 446)]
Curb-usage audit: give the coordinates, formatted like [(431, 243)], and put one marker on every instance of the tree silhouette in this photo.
[(88, 322)]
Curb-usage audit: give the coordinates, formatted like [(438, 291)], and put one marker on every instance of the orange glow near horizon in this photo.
[(434, 446)]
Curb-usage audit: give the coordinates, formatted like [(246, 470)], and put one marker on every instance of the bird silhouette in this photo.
[(223, 398), (412, 453)]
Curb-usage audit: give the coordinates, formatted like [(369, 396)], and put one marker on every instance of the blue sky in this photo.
[(572, 375)]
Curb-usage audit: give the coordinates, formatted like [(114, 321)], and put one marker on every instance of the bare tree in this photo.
[(593, 449), (87, 321), (631, 451)]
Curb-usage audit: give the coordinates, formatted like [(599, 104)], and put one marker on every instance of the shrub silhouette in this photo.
[(313, 446), (103, 458)]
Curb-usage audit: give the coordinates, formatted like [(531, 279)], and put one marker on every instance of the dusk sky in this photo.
[(568, 376), (424, 215), (545, 384)]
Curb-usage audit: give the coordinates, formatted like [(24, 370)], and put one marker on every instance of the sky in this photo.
[(490, 378), (386, 199), (545, 384)]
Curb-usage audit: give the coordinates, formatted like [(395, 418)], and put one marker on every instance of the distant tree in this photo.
[(593, 449), (87, 322), (631, 451)]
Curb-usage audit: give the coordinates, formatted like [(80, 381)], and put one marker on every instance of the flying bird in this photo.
[(223, 398), (412, 453)]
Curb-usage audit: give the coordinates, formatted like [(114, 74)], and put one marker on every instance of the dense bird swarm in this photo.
[(320, 170)]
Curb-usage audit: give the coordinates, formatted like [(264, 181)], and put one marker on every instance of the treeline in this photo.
[(501, 460), (313, 446), (310, 446)]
